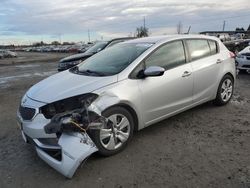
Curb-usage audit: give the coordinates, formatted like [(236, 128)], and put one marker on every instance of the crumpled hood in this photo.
[(76, 57), (66, 84)]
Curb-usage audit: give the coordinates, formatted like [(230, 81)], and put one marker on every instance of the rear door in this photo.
[(206, 64)]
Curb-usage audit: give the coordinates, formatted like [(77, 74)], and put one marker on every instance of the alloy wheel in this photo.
[(226, 90), (116, 133)]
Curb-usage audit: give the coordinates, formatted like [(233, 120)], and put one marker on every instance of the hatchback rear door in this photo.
[(206, 64)]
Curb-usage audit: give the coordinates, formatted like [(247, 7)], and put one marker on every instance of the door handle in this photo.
[(186, 73), (218, 61)]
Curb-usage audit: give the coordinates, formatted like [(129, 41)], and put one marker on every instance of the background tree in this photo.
[(55, 43), (142, 31), (39, 43)]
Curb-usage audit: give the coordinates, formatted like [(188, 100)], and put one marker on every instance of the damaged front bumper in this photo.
[(75, 148), (62, 146)]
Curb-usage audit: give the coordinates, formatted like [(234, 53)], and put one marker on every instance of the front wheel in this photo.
[(225, 90), (116, 134)]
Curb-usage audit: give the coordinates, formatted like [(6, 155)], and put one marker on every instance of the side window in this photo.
[(198, 48), (213, 47), (168, 56)]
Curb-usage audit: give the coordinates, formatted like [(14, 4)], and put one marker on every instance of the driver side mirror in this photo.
[(154, 71)]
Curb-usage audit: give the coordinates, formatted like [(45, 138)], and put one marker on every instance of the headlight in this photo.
[(74, 62), (239, 56), (68, 104)]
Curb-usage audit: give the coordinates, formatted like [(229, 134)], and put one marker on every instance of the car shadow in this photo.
[(169, 123)]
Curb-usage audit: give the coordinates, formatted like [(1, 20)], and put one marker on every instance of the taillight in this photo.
[(232, 55)]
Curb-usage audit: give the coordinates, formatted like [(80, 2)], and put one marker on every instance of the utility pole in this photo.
[(88, 35), (144, 25), (224, 25), (189, 29), (60, 38), (179, 28)]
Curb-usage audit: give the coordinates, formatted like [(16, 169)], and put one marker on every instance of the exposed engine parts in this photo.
[(79, 120)]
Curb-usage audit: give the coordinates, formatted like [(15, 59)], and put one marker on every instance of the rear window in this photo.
[(198, 48)]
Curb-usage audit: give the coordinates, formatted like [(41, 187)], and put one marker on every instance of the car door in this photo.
[(171, 92), (205, 61)]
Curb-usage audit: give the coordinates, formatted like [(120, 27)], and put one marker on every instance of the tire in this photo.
[(113, 139), (225, 90)]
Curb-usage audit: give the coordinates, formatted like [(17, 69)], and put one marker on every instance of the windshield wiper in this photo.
[(74, 69), (92, 72)]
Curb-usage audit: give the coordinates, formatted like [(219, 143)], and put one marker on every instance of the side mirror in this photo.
[(154, 71)]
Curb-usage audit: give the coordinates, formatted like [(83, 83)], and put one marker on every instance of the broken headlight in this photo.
[(68, 104)]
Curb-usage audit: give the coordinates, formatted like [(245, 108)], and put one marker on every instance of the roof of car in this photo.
[(163, 38), (123, 38), (115, 39)]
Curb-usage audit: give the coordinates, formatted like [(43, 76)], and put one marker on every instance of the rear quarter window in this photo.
[(213, 47), (198, 48)]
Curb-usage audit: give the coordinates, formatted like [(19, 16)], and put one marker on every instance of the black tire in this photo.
[(95, 134), (219, 100)]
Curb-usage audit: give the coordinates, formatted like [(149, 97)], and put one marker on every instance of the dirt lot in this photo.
[(207, 146)]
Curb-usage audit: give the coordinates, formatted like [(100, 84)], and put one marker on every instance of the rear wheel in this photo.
[(116, 134), (225, 90)]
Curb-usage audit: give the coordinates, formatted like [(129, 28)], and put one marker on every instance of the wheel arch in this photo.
[(230, 74), (131, 110), (218, 100), (218, 83)]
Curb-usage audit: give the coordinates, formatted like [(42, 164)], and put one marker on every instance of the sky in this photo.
[(29, 21)]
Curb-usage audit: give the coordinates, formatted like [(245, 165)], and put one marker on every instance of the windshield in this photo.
[(112, 60), (97, 47)]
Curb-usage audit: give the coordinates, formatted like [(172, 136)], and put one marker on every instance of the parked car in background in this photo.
[(74, 60), (237, 45), (98, 104), (242, 59), (7, 54)]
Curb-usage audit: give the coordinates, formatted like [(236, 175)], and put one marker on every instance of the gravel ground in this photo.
[(207, 146)]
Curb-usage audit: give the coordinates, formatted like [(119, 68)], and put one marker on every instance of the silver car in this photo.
[(97, 105), (243, 59)]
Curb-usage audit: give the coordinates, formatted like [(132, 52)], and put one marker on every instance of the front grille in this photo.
[(246, 66), (246, 54), (27, 113)]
